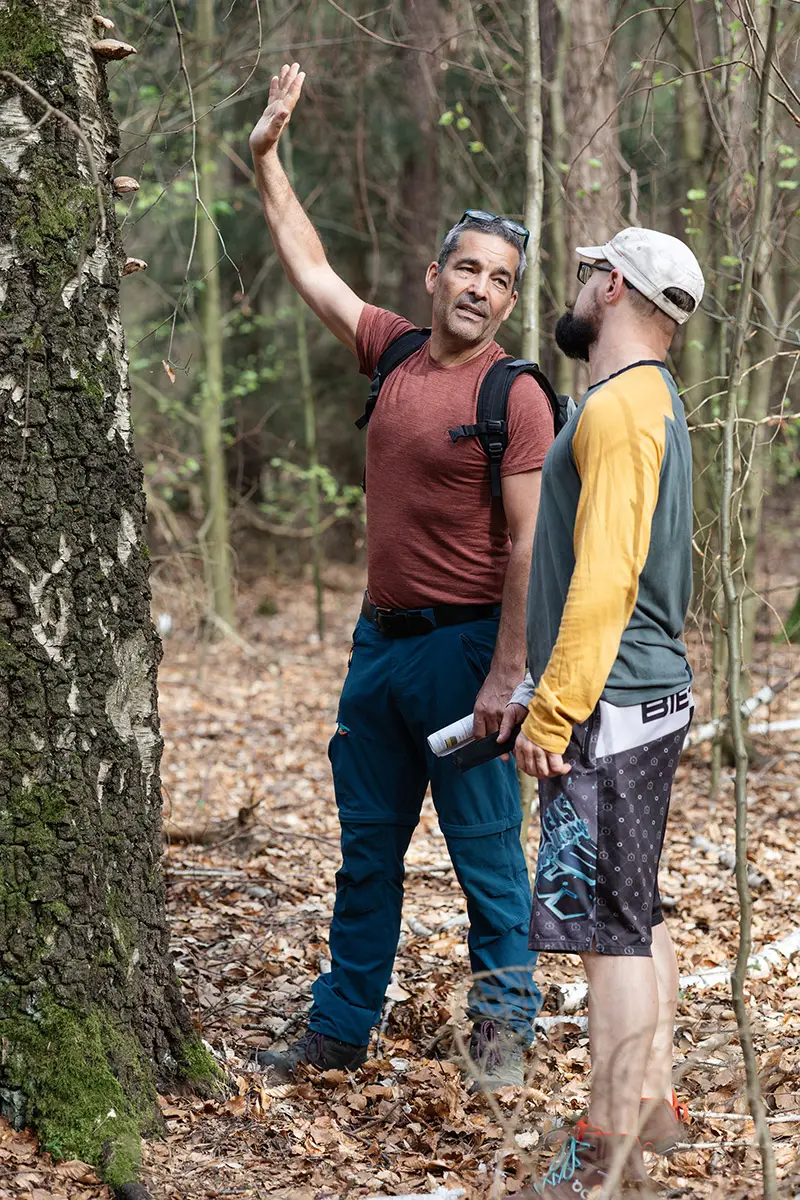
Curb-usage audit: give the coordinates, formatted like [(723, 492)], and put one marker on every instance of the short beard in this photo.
[(575, 336)]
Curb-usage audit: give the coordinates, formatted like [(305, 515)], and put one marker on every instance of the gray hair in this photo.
[(496, 228)]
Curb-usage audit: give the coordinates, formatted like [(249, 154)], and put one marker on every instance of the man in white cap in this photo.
[(608, 700)]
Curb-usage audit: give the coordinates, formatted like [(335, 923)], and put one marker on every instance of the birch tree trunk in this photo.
[(216, 525), (91, 1018)]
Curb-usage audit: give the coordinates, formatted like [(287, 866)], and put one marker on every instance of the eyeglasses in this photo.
[(585, 272), (487, 218)]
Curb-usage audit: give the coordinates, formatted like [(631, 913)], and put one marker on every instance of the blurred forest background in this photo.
[(412, 112)]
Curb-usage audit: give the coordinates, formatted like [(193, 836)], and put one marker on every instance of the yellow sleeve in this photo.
[(618, 448)]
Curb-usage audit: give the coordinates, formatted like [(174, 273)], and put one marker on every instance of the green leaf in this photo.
[(696, 194), (595, 187), (686, 212), (750, 178), (691, 231), (446, 118), (695, 345), (476, 147), (595, 162), (463, 123), (637, 65), (563, 167), (459, 107), (788, 163), (729, 260), (788, 185), (782, 149)]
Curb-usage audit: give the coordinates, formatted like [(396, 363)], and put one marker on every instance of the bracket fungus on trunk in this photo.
[(111, 49)]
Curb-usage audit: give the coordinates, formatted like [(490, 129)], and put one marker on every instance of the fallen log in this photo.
[(764, 696)]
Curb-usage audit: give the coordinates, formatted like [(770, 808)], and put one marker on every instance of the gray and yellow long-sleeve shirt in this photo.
[(611, 574)]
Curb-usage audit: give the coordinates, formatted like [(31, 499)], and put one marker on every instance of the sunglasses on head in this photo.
[(585, 272), (487, 218)]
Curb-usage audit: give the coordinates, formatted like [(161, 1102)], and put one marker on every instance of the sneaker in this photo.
[(585, 1162), (495, 1057), (663, 1124), (316, 1049)]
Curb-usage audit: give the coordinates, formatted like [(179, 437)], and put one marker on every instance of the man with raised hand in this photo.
[(608, 700), (441, 631)]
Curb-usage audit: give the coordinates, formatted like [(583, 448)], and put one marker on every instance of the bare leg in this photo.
[(658, 1076), (623, 1017)]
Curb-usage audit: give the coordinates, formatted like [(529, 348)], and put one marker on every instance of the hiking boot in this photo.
[(585, 1162), (495, 1057), (663, 1124), (316, 1049)]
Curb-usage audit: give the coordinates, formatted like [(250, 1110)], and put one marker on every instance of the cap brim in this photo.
[(593, 252)]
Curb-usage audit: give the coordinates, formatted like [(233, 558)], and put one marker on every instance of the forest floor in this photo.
[(252, 851)]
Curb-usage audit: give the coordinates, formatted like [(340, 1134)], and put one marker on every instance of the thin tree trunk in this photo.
[(732, 586), (561, 259), (216, 526), (420, 181), (534, 201), (91, 1018), (534, 179), (793, 622), (592, 182), (310, 422)]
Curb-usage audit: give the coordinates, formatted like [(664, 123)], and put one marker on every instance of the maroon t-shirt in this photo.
[(434, 535)]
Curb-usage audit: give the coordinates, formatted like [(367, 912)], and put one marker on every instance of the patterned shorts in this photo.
[(603, 828)]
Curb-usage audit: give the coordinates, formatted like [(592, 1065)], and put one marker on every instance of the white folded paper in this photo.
[(452, 737)]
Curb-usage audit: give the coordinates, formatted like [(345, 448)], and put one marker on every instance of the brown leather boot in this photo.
[(586, 1162), (662, 1124)]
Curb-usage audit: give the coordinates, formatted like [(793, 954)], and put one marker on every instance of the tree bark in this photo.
[(593, 191), (420, 183), (216, 526), (91, 1017), (732, 584), (555, 16), (534, 180)]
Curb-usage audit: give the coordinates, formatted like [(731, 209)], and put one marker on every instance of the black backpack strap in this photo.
[(491, 426), (395, 353)]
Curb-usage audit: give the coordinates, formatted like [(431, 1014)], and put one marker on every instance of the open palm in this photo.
[(284, 92)]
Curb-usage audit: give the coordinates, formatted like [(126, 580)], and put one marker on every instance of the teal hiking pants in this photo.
[(397, 691)]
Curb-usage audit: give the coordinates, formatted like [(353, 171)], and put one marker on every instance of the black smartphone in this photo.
[(474, 754)]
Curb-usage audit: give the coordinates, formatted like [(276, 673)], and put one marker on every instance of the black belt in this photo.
[(414, 622)]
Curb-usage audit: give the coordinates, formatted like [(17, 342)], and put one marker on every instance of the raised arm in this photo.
[(296, 240)]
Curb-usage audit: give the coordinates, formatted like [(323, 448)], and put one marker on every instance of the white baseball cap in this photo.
[(651, 262)]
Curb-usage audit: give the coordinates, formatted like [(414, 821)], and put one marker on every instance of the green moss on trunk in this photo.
[(24, 38), (89, 1090)]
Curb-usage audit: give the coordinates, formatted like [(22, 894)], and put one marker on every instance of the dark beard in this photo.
[(574, 336)]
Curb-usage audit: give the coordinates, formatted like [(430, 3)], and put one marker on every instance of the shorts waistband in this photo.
[(416, 622)]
